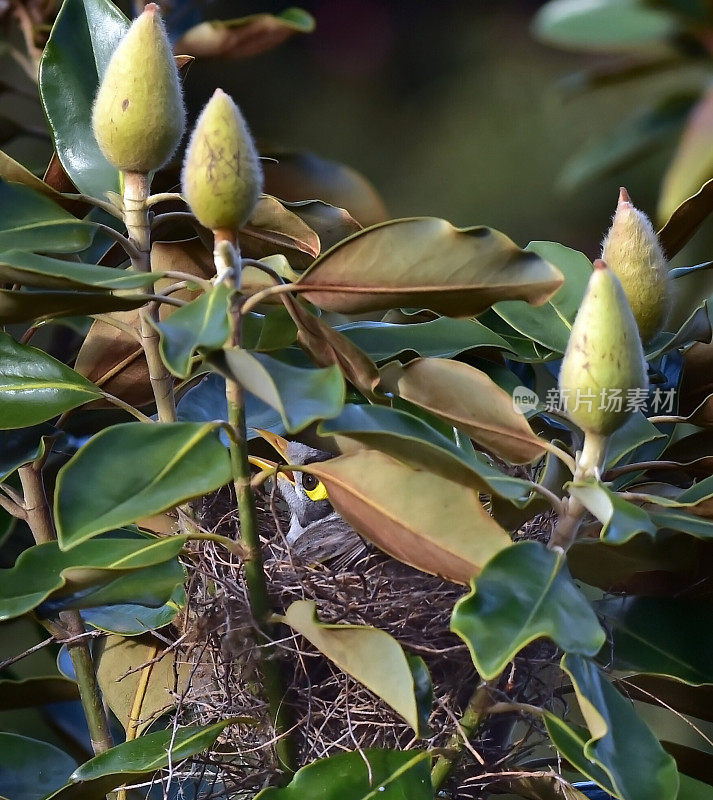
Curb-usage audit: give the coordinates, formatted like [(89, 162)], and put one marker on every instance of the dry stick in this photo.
[(136, 219), (39, 518), (273, 682)]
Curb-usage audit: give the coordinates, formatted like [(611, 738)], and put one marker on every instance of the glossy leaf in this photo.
[(37, 306), (390, 775), (620, 743), (468, 399), (621, 519), (551, 323), (30, 769), (14, 172), (523, 593), (685, 220), (21, 446), (659, 636), (44, 569), (31, 221), (36, 692), (35, 387), (371, 656), (409, 439), (696, 328), (426, 262), (401, 510), (133, 470), (273, 228), (31, 269), (443, 337), (244, 37), (138, 698), (301, 396), (83, 39), (265, 333), (203, 324), (636, 432), (130, 619), (330, 223), (137, 760)]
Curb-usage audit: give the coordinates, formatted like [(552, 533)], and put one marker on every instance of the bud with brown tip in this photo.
[(633, 251), (222, 176), (138, 117), (604, 358)]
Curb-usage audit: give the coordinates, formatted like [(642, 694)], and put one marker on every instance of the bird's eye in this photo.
[(313, 487)]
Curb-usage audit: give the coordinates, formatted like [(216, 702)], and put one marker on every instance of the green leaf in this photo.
[(301, 396), (29, 769), (274, 330), (551, 323), (137, 760), (371, 656), (443, 337), (38, 306), (44, 570), (31, 221), (686, 219), (411, 440), (134, 470), (31, 269), (35, 387), (83, 39), (401, 510), (468, 399), (203, 324), (21, 446), (620, 742), (659, 636), (621, 519), (36, 692), (130, 619), (425, 262), (390, 775), (696, 328), (604, 25), (523, 593)]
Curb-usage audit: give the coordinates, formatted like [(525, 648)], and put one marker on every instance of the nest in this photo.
[(332, 712)]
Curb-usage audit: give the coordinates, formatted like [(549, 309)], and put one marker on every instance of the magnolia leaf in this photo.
[(524, 592), (244, 37), (137, 760), (203, 324), (696, 701), (31, 269), (366, 775), (401, 510), (686, 219), (551, 323), (138, 698), (268, 332), (428, 263), (620, 743), (83, 39), (36, 691), (274, 229), (44, 570), (659, 636), (621, 519), (409, 439), (544, 786), (30, 769), (468, 399), (35, 387), (134, 470), (21, 446), (14, 172), (39, 306), (330, 223), (130, 619), (371, 656), (301, 396)]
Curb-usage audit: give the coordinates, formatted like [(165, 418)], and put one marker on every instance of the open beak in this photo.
[(280, 445)]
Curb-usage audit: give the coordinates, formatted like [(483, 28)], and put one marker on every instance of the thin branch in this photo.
[(206, 285), (130, 249), (564, 457), (119, 325), (13, 494), (162, 197), (615, 472), (666, 419), (264, 294), (550, 496), (12, 508), (105, 205), (119, 403)]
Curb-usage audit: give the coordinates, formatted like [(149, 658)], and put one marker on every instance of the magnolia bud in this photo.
[(633, 251), (138, 115), (604, 358), (222, 176)]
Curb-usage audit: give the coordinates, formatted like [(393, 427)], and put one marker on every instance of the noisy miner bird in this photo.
[(317, 532)]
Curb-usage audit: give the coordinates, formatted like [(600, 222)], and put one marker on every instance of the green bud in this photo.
[(633, 251), (604, 353), (222, 175), (138, 115)]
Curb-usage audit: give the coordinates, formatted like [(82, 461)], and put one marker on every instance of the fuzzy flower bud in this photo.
[(604, 358), (138, 115), (634, 253), (222, 175)]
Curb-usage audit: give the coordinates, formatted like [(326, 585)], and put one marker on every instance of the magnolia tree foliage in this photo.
[(432, 412)]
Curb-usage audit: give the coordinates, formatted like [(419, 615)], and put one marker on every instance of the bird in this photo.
[(317, 532)]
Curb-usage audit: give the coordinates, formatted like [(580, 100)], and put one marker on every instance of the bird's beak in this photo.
[(280, 445)]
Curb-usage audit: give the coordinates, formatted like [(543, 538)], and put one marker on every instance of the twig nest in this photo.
[(222, 177), (138, 117)]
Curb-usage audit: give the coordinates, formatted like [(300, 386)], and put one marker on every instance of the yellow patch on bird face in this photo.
[(318, 492)]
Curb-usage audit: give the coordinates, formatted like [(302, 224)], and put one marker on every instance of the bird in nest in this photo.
[(317, 533)]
